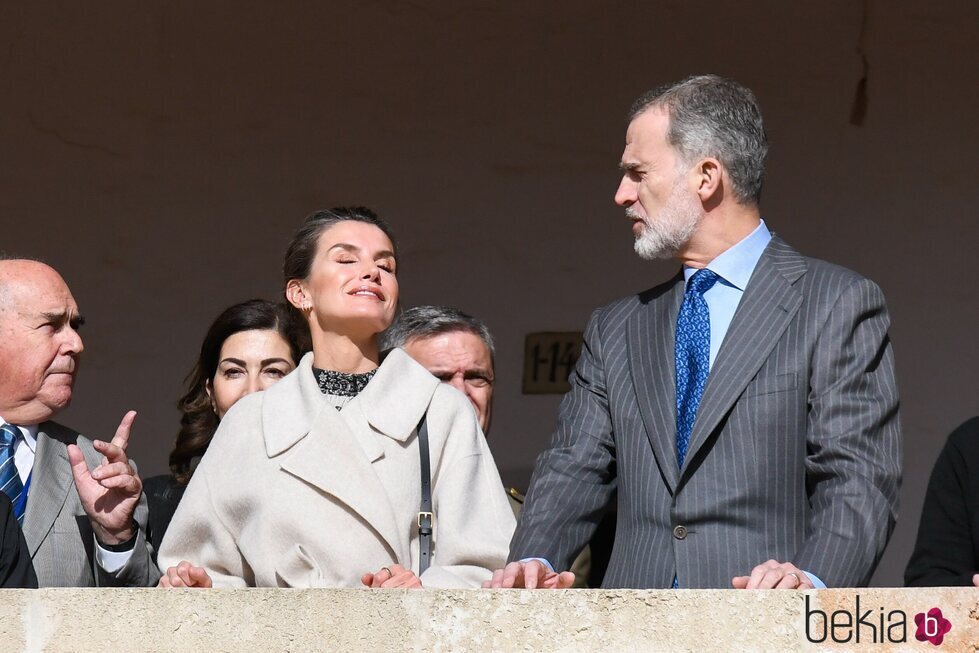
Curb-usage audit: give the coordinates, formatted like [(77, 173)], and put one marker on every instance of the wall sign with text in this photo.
[(549, 358)]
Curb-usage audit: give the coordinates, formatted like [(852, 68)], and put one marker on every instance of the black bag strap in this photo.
[(425, 516)]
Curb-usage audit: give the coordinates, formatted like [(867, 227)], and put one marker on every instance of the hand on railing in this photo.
[(529, 574), (391, 577), (185, 575), (774, 575)]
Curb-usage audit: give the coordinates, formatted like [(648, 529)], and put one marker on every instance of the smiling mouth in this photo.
[(366, 292)]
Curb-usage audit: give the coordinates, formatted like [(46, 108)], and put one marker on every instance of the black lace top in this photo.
[(341, 387)]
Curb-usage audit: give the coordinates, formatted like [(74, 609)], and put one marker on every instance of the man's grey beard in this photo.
[(664, 234)]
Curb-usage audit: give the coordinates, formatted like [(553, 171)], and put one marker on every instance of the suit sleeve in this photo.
[(16, 569), (944, 554), (853, 463), (574, 479), (473, 520)]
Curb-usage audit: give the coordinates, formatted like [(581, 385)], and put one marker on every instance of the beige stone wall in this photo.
[(56, 620)]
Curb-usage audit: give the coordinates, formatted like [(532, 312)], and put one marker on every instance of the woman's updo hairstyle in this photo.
[(302, 249)]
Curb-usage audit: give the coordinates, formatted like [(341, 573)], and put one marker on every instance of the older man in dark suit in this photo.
[(745, 411), (80, 502)]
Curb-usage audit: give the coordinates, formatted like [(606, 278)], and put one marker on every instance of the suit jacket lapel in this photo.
[(50, 485), (769, 303), (651, 333)]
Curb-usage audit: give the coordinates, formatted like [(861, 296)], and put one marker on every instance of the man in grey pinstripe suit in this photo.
[(791, 475)]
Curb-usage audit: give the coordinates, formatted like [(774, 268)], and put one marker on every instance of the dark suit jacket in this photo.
[(947, 551), (163, 495), (59, 533), (16, 569), (795, 454)]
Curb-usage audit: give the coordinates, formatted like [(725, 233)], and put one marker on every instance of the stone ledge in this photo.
[(111, 620)]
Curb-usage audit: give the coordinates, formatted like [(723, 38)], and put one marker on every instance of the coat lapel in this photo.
[(769, 303), (339, 452), (651, 333), (50, 483), (331, 459)]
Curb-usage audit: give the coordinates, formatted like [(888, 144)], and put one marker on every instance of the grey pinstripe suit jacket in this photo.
[(58, 532), (795, 454)]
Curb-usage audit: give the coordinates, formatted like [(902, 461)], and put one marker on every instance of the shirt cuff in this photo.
[(111, 561), (549, 566), (818, 584)]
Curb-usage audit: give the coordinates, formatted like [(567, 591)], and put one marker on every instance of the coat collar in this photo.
[(294, 404), (342, 453)]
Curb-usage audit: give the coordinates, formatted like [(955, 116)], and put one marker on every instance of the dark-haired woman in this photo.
[(249, 347), (325, 485)]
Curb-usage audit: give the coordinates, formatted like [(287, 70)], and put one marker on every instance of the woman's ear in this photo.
[(210, 396), (297, 295)]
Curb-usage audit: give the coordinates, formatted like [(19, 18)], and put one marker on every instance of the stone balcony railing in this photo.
[(120, 620)]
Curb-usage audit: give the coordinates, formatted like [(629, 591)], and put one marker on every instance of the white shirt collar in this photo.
[(29, 432)]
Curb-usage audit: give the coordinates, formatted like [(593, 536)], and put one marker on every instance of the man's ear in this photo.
[(296, 294), (709, 176)]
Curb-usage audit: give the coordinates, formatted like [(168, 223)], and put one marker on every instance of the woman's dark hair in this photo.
[(302, 249), (199, 422)]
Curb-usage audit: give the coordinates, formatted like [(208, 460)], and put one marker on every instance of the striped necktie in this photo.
[(10, 482)]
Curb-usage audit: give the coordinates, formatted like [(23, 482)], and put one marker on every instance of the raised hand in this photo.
[(531, 574), (110, 492), (185, 575)]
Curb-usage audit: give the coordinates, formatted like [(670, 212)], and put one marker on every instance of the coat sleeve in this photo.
[(473, 520), (945, 552), (199, 535), (574, 478), (853, 464), (202, 531)]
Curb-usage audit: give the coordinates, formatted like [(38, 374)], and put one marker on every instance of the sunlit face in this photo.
[(463, 360), (39, 342), (352, 287), (250, 361), (655, 190)]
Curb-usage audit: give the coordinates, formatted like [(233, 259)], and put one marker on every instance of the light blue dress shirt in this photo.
[(734, 267)]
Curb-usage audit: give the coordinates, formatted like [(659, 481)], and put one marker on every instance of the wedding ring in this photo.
[(391, 573), (798, 581)]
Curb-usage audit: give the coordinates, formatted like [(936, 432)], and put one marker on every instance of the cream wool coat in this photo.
[(293, 493)]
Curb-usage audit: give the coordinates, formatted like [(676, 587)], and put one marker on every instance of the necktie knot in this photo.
[(702, 281), (10, 483), (8, 435)]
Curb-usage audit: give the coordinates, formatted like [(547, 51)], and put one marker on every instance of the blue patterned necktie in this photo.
[(692, 356), (9, 476)]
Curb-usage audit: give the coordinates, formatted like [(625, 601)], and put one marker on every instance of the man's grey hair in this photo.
[(429, 321), (718, 117)]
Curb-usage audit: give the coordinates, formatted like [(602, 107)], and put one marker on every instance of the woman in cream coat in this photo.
[(315, 482)]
